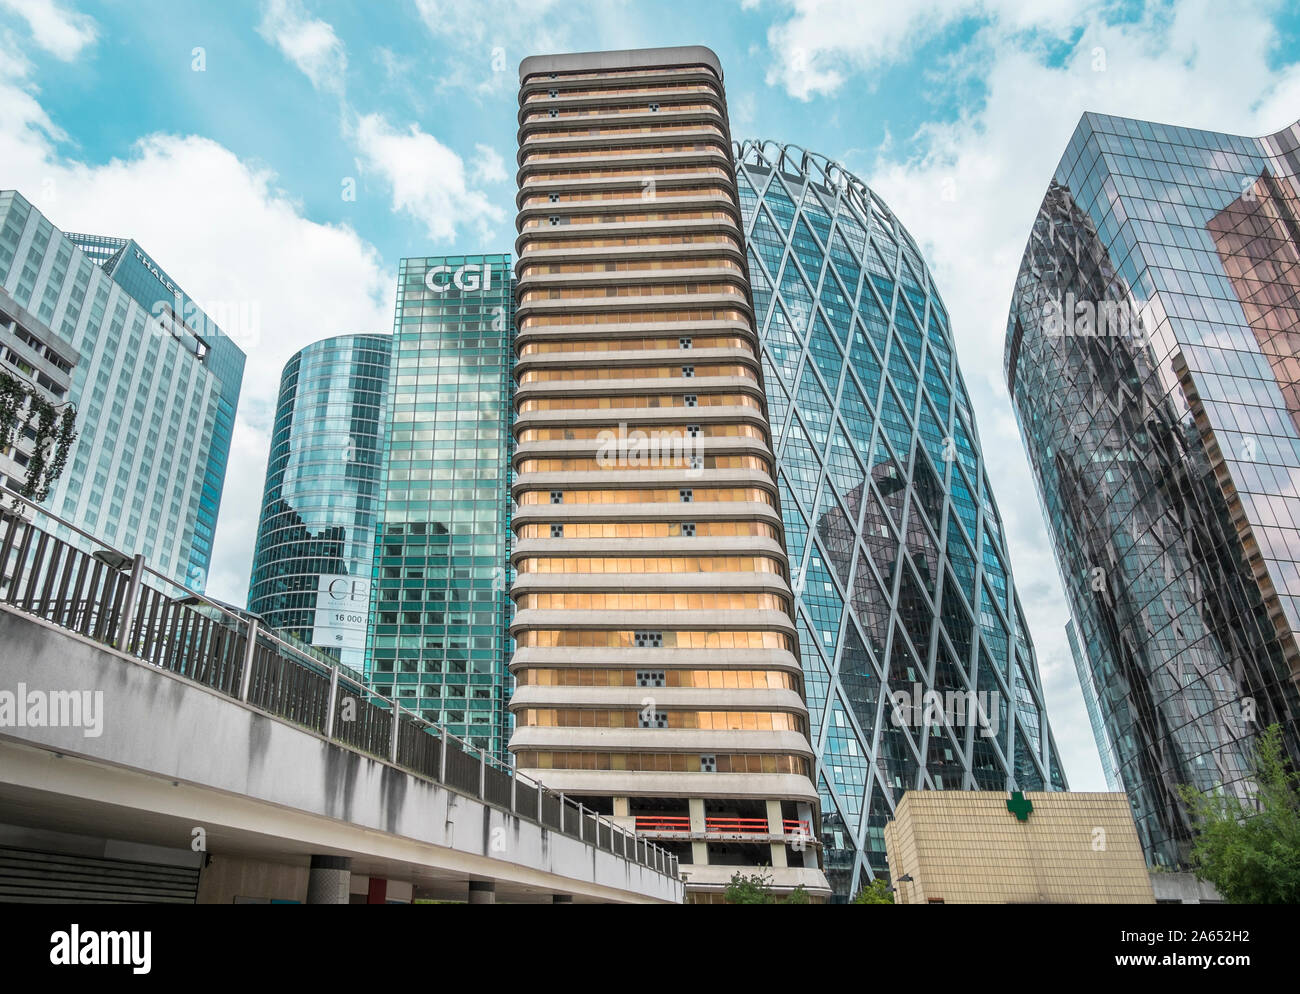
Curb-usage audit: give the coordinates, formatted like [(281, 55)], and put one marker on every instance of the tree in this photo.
[(1250, 851), (876, 892), (756, 888)]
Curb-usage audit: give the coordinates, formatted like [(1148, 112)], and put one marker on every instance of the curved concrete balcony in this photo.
[(701, 511), (642, 479), (741, 545), (642, 417), (669, 698), (580, 126), (663, 448), (715, 786), (692, 659), (713, 176), (709, 155), (672, 740), (648, 228), (712, 619), (634, 357), (540, 583), (685, 385)]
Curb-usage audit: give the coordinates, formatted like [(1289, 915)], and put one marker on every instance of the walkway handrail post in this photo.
[(482, 774), (132, 596), (442, 758), (250, 648), (333, 702), (392, 733)]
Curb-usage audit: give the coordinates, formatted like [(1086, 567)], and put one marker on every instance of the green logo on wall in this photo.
[(1019, 807)]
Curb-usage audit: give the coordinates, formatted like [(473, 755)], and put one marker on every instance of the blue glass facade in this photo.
[(323, 488), (438, 636), (900, 571), (155, 398), (1151, 359)]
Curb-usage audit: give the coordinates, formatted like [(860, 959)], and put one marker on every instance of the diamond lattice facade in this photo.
[(903, 588)]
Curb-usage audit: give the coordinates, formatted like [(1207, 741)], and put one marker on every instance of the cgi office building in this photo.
[(656, 660), (316, 535), (919, 667), (154, 380), (438, 605), (1152, 361)]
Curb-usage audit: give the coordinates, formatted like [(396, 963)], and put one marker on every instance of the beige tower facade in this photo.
[(657, 671)]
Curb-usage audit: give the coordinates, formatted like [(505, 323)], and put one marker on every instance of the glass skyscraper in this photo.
[(156, 384), (919, 667), (315, 547), (1151, 357), (438, 637)]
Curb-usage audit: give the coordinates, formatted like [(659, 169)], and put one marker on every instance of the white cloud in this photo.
[(488, 164), (61, 32), (193, 204), (427, 178), (969, 190), (308, 42)]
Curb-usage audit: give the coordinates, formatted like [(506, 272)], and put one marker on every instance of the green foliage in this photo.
[(876, 892), (21, 407), (756, 888), (1251, 851)]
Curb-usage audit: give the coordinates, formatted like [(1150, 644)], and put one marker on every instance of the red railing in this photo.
[(733, 826)]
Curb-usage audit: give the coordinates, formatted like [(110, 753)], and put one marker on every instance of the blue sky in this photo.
[(230, 163)]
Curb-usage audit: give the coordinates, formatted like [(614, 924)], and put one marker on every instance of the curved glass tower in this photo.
[(1150, 354), (316, 535), (919, 667)]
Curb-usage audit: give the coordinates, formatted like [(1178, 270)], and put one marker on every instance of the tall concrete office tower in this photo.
[(1151, 356), (656, 663), (920, 669), (316, 535)]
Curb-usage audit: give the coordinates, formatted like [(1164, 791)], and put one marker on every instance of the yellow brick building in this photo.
[(982, 847)]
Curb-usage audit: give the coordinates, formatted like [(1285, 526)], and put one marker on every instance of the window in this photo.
[(688, 529), (688, 371), (555, 198), (686, 496), (557, 496), (693, 431), (709, 764), (684, 342), (654, 108), (557, 531), (690, 400), (654, 719), (651, 678), (554, 93), (649, 640), (555, 220), (554, 112)]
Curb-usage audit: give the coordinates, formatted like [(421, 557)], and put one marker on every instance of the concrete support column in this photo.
[(622, 807), (329, 879), (482, 892), (804, 810), (699, 850), (776, 826)]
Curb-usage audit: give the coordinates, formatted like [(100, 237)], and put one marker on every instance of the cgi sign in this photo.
[(466, 279)]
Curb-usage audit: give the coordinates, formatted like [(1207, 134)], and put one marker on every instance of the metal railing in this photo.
[(653, 824), (104, 597)]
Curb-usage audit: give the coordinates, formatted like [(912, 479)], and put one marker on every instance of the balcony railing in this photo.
[(103, 596)]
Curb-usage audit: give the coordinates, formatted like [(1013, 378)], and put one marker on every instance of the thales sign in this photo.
[(466, 279)]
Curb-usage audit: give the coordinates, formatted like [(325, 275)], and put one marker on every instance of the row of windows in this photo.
[(706, 601), (594, 293), (612, 151), (636, 401), (633, 172), (584, 373), (631, 241), (637, 108), (649, 529), (657, 433), (645, 191), (651, 564), (586, 639), (670, 127), (717, 721), (626, 218), (661, 762), (690, 679), (642, 496), (630, 462), (664, 87), (686, 315)]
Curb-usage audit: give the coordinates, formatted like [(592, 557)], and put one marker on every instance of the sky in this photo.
[(285, 154)]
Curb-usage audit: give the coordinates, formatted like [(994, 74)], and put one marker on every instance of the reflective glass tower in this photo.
[(155, 384), (1152, 361), (919, 667), (316, 536), (658, 675), (438, 613)]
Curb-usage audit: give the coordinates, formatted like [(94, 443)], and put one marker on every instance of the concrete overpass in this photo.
[(219, 768)]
